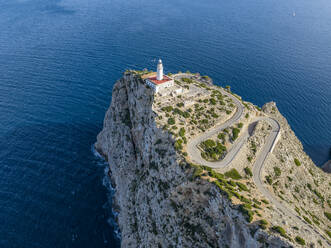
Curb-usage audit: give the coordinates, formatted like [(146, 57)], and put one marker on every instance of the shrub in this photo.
[(242, 186), (187, 80), (307, 219), (212, 150), (178, 144), (328, 215), (277, 171), (181, 132), (246, 116), (167, 109), (212, 101), (300, 240), (248, 171), (280, 230), (245, 209), (235, 133), (263, 224), (171, 121), (265, 201), (181, 104), (240, 125), (297, 162), (269, 179), (328, 233), (221, 136), (233, 173)]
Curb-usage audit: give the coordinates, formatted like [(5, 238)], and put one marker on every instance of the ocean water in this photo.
[(60, 59)]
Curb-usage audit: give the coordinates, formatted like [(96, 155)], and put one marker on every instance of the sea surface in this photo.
[(60, 59)]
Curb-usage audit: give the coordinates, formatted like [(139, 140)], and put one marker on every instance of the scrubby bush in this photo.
[(235, 133), (297, 162), (233, 173), (181, 132), (328, 215), (307, 219), (277, 171), (328, 233), (171, 121), (167, 109), (269, 179), (212, 101), (300, 240), (240, 125), (181, 104), (242, 186), (263, 224), (212, 150), (248, 171), (246, 210), (280, 230), (187, 80)]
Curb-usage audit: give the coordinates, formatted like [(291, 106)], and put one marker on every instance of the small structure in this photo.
[(159, 81)]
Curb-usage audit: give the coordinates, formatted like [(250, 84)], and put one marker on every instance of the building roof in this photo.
[(157, 82)]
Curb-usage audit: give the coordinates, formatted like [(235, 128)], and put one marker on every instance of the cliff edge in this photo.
[(165, 199)]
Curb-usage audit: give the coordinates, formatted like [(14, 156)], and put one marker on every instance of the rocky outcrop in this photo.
[(160, 202), (327, 166)]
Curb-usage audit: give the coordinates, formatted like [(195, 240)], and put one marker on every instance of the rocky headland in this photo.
[(248, 184)]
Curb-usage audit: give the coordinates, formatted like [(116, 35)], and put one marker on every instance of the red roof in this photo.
[(155, 81)]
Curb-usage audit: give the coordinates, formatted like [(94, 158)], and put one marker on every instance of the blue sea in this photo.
[(59, 61)]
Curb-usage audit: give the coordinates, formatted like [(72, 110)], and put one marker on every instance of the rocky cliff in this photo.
[(162, 199)]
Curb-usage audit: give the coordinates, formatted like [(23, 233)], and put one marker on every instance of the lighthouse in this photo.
[(157, 81), (159, 70)]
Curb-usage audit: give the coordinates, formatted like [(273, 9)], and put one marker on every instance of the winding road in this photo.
[(195, 156)]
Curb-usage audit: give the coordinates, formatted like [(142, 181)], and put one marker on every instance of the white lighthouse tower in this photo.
[(157, 81), (159, 70)]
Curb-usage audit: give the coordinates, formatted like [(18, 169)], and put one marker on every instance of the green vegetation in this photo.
[(277, 171), (328, 215), (182, 132), (171, 121), (212, 101), (242, 186), (307, 219), (328, 233), (263, 224), (240, 125), (280, 230), (181, 104), (248, 171), (187, 80), (246, 210), (247, 115), (265, 201), (235, 133), (300, 240), (212, 150), (179, 144), (269, 179), (297, 162), (167, 109), (205, 77), (233, 173)]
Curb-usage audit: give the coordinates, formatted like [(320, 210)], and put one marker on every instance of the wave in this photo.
[(111, 191)]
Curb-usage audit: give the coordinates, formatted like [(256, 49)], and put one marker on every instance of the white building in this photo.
[(160, 81)]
